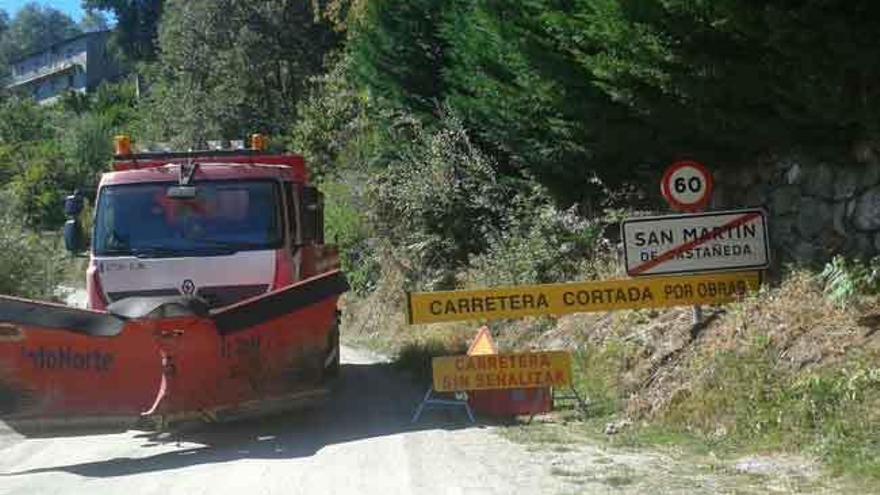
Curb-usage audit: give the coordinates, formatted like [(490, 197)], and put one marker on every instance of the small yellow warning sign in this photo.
[(499, 371), (483, 344), (560, 299)]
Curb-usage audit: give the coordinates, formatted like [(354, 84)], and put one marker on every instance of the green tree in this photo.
[(23, 121), (23, 126), (343, 14), (339, 126), (521, 92), (34, 28), (400, 54), (85, 137), (137, 24), (730, 79), (39, 188), (94, 21), (572, 91), (527, 101), (47, 151), (4, 22), (232, 67)]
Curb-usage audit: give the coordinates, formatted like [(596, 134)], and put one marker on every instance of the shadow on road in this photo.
[(369, 400)]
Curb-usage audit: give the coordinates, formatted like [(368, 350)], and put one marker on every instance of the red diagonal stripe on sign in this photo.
[(748, 217)]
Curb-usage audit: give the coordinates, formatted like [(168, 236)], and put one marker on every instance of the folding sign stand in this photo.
[(429, 400), (570, 395)]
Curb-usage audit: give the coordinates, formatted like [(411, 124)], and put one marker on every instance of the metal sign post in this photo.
[(687, 186)]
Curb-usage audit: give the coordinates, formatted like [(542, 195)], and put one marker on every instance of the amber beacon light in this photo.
[(122, 143), (259, 142)]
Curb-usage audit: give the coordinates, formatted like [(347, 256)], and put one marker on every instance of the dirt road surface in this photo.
[(360, 441)]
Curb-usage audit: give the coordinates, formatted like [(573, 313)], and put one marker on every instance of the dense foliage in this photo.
[(48, 151), (137, 22), (228, 68), (845, 280), (31, 265), (32, 29), (568, 90), (457, 133)]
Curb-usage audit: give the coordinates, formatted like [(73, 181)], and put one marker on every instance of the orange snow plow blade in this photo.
[(164, 356)]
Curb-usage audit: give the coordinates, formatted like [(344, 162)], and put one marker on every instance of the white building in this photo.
[(77, 64)]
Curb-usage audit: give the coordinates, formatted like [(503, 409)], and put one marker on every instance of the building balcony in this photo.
[(46, 72)]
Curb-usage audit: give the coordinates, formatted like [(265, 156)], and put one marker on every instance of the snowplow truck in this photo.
[(211, 292)]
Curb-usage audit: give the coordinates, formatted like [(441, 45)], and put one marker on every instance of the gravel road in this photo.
[(360, 441)]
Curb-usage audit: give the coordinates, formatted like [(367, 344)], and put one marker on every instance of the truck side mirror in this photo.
[(73, 238), (319, 219), (73, 205), (313, 215), (309, 205)]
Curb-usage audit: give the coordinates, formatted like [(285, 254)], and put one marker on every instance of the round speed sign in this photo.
[(687, 186)]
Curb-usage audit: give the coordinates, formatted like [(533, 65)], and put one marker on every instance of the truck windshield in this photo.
[(222, 218)]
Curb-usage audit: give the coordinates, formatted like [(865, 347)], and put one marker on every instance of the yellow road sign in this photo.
[(497, 371), (560, 299)]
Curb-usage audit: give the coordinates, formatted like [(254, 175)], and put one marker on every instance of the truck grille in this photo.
[(216, 297), (118, 296), (224, 296)]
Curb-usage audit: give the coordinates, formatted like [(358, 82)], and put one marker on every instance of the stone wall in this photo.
[(816, 210)]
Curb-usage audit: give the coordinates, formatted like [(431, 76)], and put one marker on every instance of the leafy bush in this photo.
[(23, 121), (48, 151), (436, 207), (339, 127), (38, 189), (88, 148), (345, 227), (846, 280), (31, 265), (437, 202), (542, 245)]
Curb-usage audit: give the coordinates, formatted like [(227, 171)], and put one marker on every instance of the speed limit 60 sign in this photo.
[(687, 186)]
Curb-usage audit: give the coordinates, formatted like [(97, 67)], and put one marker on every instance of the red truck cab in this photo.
[(211, 293), (223, 226)]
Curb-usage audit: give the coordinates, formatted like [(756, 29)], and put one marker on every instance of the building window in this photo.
[(70, 80)]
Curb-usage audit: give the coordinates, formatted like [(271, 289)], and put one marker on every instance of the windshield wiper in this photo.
[(208, 247), (156, 252), (168, 252), (236, 245)]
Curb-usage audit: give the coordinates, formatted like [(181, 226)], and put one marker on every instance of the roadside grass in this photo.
[(752, 408), (736, 403), (784, 373)]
